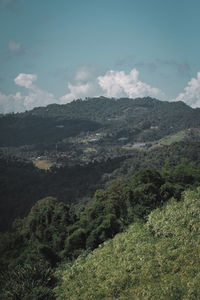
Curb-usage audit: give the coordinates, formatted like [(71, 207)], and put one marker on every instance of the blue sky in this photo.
[(58, 51)]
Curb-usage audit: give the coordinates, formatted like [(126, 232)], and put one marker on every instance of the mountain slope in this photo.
[(131, 117), (159, 260)]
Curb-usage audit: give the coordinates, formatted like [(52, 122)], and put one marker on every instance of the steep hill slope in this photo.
[(159, 260)]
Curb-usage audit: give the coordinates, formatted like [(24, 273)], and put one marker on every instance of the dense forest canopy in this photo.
[(53, 234)]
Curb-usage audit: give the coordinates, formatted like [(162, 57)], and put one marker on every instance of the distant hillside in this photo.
[(21, 184), (18, 130), (143, 119)]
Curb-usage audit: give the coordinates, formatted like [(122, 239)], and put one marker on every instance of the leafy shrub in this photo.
[(28, 282)]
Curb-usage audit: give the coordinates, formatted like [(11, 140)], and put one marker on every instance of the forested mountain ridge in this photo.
[(127, 117), (101, 109)]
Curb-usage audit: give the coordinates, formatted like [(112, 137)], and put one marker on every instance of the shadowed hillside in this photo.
[(130, 117)]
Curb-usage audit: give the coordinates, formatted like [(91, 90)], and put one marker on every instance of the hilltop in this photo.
[(141, 119)]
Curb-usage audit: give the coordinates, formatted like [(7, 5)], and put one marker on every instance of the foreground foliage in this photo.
[(54, 233), (158, 260)]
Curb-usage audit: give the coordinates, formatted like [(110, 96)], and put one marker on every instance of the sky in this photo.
[(58, 51)]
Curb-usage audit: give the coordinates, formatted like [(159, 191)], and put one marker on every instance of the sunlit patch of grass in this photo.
[(42, 164), (170, 139)]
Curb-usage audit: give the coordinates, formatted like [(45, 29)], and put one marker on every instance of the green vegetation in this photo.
[(111, 222), (53, 234), (21, 185), (158, 260), (141, 119), (179, 136), (87, 144), (19, 129)]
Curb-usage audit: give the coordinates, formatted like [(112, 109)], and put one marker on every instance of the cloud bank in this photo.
[(191, 94), (19, 102), (84, 85), (11, 103), (114, 84), (118, 84)]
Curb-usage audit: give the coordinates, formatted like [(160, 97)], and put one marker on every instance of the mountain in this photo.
[(117, 172), (138, 119)]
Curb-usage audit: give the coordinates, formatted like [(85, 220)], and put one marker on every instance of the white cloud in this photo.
[(18, 102), (191, 94), (112, 84), (11, 103), (85, 84), (4, 103), (118, 84), (26, 80), (38, 98), (76, 91), (14, 46), (35, 97)]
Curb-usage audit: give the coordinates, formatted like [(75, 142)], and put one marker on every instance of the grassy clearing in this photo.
[(170, 139), (42, 164), (90, 150)]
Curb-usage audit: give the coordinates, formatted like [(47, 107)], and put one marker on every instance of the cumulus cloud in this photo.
[(119, 84), (34, 97), (191, 94), (112, 84), (11, 103), (38, 97), (76, 91), (85, 84), (26, 80)]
